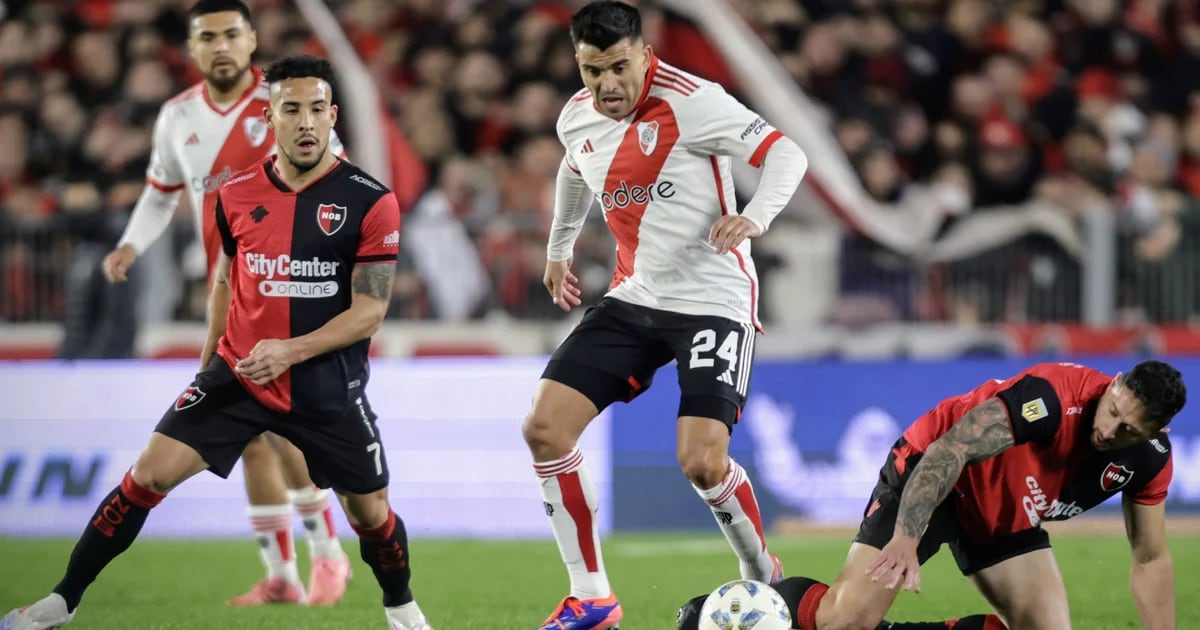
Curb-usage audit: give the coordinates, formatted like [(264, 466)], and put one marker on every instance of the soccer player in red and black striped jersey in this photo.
[(309, 244), (981, 472), (202, 137)]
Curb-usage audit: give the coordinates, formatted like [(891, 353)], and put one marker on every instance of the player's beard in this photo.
[(304, 165), (224, 82)]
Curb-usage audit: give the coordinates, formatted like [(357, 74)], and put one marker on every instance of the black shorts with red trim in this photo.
[(971, 555), (614, 352), (217, 416)]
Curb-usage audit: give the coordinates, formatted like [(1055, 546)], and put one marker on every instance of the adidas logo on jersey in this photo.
[(726, 377), (587, 147), (192, 139), (392, 239)]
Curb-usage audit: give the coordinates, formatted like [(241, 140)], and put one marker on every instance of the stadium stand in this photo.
[(1077, 118)]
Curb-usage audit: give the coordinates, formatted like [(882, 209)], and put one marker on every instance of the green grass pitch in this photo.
[(470, 585)]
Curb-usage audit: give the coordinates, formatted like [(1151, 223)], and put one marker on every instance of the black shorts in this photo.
[(972, 556), (217, 416), (615, 350)]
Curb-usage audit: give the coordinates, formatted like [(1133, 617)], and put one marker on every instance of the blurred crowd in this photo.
[(1089, 104)]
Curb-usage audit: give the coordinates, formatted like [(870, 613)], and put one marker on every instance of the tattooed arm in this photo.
[(372, 291), (984, 432)]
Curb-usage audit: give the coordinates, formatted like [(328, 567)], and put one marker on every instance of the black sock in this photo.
[(974, 622), (802, 596), (385, 549), (112, 529)]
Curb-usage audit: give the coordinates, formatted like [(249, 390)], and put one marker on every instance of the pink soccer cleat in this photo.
[(327, 584), (274, 590), (585, 614)]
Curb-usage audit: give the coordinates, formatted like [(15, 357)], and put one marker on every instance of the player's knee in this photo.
[(545, 438), (156, 474), (259, 452), (705, 468), (366, 511)]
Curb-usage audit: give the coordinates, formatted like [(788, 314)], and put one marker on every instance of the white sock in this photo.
[(273, 527), (736, 510), (312, 504), (407, 615), (571, 504)]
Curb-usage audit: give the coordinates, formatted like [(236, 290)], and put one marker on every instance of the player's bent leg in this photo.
[(703, 453), (852, 602), (162, 465), (383, 543), (559, 415), (330, 570), (1027, 591), (263, 473), (557, 418), (270, 517)]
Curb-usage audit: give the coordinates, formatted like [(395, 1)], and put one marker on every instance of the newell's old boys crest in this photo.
[(331, 218), (189, 398), (256, 130), (647, 136), (1115, 477)]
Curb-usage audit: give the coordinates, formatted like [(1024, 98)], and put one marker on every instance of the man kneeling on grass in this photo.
[(980, 472)]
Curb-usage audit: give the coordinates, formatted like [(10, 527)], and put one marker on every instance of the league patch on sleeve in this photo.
[(1034, 410)]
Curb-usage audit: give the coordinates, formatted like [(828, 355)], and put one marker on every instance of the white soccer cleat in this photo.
[(407, 617), (44, 614)]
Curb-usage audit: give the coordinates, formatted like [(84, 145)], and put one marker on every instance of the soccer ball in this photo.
[(745, 605)]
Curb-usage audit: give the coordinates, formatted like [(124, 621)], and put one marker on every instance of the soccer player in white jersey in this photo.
[(654, 146), (202, 136)]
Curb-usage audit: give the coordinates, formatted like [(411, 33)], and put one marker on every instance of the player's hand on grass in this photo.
[(117, 262), (730, 230), (267, 361), (562, 284), (897, 565)]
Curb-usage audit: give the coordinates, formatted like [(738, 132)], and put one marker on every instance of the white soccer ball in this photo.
[(745, 605)]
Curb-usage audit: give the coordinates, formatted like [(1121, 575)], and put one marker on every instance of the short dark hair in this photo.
[(1160, 389), (300, 67), (605, 23), (204, 7)]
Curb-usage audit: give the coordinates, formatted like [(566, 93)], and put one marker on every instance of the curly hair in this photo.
[(299, 67), (1160, 389)]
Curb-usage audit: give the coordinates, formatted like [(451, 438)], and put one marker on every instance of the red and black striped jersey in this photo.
[(1052, 472), (292, 255)]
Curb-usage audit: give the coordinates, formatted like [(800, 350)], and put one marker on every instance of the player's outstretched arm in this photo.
[(218, 308), (1151, 571), (371, 286), (982, 433)]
